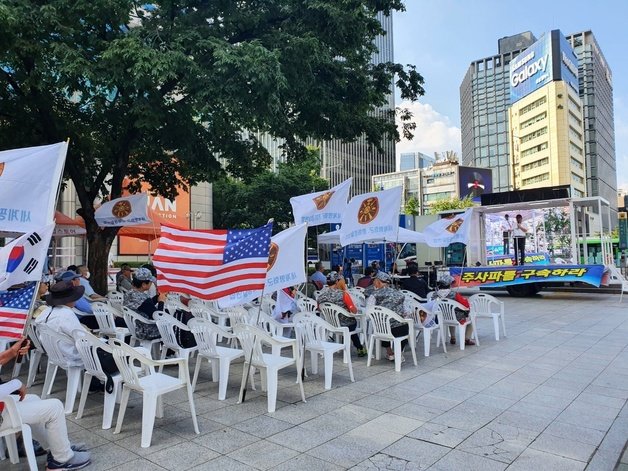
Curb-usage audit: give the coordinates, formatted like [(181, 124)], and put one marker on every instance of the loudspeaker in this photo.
[(524, 196)]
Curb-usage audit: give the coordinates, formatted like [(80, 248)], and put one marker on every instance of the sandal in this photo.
[(469, 342)]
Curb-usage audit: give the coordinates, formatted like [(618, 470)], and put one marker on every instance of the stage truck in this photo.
[(558, 255)]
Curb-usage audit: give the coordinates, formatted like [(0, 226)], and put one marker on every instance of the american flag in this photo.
[(14, 306), (212, 264)]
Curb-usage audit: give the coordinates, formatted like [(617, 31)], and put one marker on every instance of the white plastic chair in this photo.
[(106, 321), (51, 340), (37, 351), (380, 321), (268, 305), (445, 311), (130, 318), (275, 330), (316, 294), (13, 425), (486, 306), (306, 304), (251, 338), (167, 325), (414, 296), (206, 332), (151, 386), (87, 346), (313, 334), (420, 327), (331, 312), (116, 298)]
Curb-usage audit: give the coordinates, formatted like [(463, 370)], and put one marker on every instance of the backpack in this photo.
[(185, 338), (109, 367)]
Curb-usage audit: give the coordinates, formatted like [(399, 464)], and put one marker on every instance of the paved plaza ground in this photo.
[(552, 395)]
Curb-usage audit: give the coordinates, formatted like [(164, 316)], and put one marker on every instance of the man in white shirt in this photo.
[(61, 318), (507, 233), (519, 235)]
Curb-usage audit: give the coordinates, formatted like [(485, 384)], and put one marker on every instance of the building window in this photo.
[(533, 120), (534, 150), (535, 164), (534, 134), (537, 179), (576, 164), (577, 178), (533, 105)]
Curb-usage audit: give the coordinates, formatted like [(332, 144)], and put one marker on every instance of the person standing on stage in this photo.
[(507, 228), (519, 235)]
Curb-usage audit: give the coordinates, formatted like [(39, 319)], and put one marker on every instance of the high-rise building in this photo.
[(414, 160), (545, 117), (596, 93), (484, 103), (359, 159)]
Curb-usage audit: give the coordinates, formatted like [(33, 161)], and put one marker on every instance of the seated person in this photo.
[(385, 296), (45, 417), (124, 277), (140, 301), (415, 283), (90, 294), (82, 307), (318, 277), (367, 279), (334, 295), (444, 291), (60, 316)]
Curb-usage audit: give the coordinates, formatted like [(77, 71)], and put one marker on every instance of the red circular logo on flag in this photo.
[(15, 258), (272, 255), (322, 200), (368, 210), (121, 209)]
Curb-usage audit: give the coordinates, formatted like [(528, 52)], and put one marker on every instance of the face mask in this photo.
[(443, 293), (87, 275)]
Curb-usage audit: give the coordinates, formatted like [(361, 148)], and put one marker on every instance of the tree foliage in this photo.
[(412, 206), (267, 195), (451, 203), (156, 92)]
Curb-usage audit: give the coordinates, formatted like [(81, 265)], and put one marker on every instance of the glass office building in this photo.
[(414, 160)]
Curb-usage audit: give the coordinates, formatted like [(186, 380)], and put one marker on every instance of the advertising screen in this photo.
[(475, 182)]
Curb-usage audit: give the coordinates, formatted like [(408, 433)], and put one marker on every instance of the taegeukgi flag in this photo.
[(23, 259), (371, 216), (29, 179), (286, 266), (129, 210), (323, 207), (212, 264)]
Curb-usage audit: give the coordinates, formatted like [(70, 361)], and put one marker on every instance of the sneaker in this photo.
[(390, 357), (362, 352), (76, 447), (80, 460)]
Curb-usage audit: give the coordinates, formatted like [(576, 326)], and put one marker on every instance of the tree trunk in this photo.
[(98, 258)]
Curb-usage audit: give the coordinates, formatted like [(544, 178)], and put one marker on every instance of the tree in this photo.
[(267, 195), (446, 204), (155, 92), (412, 206)]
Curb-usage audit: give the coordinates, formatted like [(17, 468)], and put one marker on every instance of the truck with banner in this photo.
[(556, 244)]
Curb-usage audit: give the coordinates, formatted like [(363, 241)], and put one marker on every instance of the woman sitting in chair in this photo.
[(444, 291), (139, 300)]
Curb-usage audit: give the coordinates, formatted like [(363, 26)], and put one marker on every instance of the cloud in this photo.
[(434, 132)]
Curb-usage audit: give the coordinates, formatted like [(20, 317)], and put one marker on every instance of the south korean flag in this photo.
[(23, 259)]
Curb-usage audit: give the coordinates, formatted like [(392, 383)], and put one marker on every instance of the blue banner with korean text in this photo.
[(535, 258), (468, 277)]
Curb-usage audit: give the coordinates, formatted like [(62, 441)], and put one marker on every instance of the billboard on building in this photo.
[(550, 58), (475, 182)]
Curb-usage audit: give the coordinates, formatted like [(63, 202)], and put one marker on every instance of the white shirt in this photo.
[(507, 226), (62, 319), (519, 232)]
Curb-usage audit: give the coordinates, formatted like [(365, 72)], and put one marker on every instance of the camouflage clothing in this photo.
[(389, 298), (133, 300), (335, 296)]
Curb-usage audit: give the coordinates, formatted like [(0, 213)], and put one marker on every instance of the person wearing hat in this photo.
[(82, 307), (385, 296), (139, 300), (124, 278), (334, 294), (444, 291), (60, 316), (46, 418)]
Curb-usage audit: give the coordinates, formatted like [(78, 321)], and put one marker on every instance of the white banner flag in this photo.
[(23, 259), (29, 179), (445, 231), (323, 207), (371, 216), (286, 265), (129, 210)]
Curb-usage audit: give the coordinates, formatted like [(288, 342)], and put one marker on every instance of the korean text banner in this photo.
[(29, 179), (535, 258), (468, 277), (323, 207), (125, 211), (286, 266), (371, 216)]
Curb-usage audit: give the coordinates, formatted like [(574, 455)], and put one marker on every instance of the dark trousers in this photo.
[(520, 250), (506, 243), (355, 339), (398, 331)]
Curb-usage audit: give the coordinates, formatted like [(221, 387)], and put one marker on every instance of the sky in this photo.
[(442, 37)]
